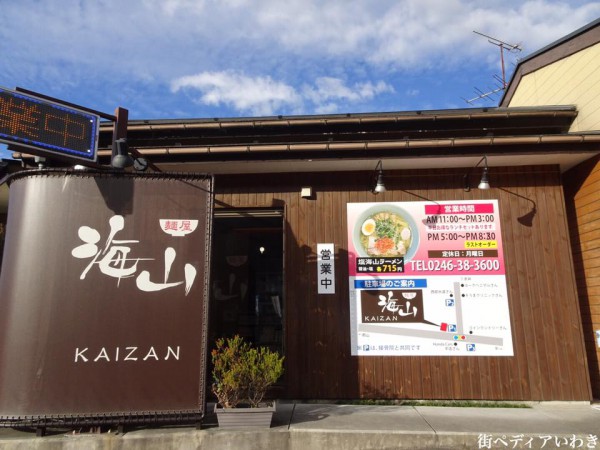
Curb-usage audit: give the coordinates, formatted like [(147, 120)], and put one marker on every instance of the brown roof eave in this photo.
[(420, 144), (566, 111)]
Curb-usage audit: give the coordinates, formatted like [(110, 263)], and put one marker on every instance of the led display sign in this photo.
[(47, 128)]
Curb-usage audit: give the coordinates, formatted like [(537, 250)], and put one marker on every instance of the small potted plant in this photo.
[(242, 375)]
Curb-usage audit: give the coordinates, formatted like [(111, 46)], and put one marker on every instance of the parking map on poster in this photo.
[(427, 279)]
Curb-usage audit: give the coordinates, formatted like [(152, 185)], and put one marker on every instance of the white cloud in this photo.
[(262, 95), (417, 34), (397, 34), (327, 108), (258, 96), (326, 89), (311, 55), (328, 93), (163, 37)]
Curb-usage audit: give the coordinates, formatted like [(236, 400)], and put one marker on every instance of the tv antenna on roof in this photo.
[(511, 48)]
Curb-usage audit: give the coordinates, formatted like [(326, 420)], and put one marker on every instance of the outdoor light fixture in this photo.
[(306, 192), (120, 155), (484, 183), (379, 186), (40, 161)]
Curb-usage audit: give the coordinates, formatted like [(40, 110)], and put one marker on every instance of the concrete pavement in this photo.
[(305, 426)]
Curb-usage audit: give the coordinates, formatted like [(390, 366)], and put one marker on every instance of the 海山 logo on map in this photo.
[(392, 305)]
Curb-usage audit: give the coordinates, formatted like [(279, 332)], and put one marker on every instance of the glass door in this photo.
[(247, 277)]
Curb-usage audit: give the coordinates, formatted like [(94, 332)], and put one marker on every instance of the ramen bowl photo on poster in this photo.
[(387, 231)]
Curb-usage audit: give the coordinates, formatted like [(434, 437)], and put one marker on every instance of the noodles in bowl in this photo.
[(385, 231)]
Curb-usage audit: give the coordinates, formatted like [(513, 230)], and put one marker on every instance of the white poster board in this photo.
[(427, 279)]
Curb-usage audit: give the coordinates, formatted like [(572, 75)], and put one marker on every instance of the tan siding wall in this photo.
[(574, 80), (582, 193), (549, 361)]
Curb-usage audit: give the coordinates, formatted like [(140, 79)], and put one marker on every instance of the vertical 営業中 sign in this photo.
[(325, 269)]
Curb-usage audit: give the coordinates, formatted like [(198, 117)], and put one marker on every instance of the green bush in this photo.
[(242, 373)]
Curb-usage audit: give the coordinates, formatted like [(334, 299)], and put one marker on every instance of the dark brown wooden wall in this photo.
[(549, 361), (582, 195)]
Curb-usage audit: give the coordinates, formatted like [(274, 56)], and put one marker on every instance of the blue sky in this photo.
[(233, 58)]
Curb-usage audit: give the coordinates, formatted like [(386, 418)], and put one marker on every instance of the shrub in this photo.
[(242, 373)]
